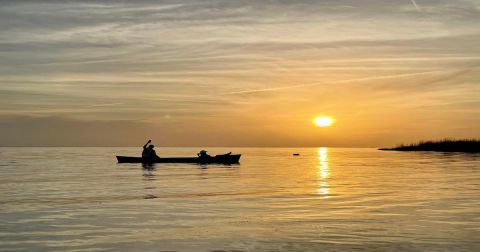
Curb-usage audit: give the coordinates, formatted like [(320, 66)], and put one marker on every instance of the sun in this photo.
[(323, 121)]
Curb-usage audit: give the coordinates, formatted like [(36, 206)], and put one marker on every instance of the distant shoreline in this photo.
[(446, 145)]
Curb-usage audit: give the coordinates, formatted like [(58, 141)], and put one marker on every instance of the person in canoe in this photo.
[(203, 154), (148, 153)]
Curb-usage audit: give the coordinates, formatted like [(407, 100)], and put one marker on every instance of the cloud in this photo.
[(334, 82), (416, 5), (106, 104)]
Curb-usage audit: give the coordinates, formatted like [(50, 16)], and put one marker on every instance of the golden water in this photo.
[(326, 199)]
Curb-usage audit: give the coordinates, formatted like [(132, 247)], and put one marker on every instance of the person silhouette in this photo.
[(203, 154), (148, 153)]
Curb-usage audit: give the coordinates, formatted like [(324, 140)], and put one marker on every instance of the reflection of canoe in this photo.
[(218, 159)]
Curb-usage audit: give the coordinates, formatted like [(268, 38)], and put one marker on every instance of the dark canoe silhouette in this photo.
[(218, 159)]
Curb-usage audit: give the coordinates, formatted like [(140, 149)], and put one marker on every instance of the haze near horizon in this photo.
[(238, 73)]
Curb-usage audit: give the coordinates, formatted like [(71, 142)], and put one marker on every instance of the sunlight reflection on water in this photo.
[(323, 188)]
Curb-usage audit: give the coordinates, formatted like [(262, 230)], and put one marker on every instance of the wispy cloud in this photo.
[(105, 105), (336, 82), (416, 5)]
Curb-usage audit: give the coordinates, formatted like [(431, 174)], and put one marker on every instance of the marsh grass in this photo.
[(445, 145)]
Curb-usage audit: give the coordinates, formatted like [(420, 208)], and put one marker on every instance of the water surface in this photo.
[(326, 199)]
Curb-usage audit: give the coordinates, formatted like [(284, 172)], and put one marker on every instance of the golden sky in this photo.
[(238, 73)]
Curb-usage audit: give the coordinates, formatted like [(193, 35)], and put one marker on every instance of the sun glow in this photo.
[(323, 121)]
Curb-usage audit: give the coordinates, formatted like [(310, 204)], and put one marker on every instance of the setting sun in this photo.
[(323, 121)]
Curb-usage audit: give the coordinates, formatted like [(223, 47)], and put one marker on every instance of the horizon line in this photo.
[(158, 147)]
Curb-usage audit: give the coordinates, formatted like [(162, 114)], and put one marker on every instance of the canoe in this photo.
[(218, 159)]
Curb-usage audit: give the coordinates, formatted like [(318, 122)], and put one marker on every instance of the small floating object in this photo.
[(149, 196), (296, 154)]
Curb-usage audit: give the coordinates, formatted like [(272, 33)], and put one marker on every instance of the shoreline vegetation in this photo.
[(445, 145)]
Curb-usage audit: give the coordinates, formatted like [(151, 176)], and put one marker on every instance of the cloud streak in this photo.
[(416, 5), (335, 82)]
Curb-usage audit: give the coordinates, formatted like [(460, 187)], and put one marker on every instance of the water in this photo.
[(326, 199)]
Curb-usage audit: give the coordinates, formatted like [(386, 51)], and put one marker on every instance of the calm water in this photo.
[(327, 199)]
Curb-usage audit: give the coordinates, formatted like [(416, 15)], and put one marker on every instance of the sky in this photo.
[(238, 73)]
